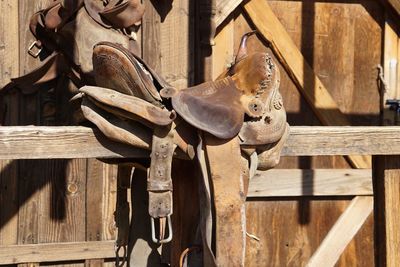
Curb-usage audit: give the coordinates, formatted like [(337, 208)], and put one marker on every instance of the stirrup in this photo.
[(153, 231), (118, 257)]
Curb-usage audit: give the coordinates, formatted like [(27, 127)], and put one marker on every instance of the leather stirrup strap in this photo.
[(225, 167), (159, 182), (121, 215)]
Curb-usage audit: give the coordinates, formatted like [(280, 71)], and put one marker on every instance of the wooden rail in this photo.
[(31, 142), (40, 142)]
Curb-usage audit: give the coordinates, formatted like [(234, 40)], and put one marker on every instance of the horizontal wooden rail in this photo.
[(318, 182), (14, 254), (41, 142)]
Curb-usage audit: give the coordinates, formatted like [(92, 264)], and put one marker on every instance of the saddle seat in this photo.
[(213, 107)]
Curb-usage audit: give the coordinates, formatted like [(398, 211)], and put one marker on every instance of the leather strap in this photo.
[(159, 182), (116, 14), (121, 214), (124, 15), (229, 199), (50, 69)]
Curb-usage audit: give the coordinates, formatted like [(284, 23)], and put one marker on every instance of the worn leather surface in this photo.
[(127, 106), (213, 107), (83, 33), (227, 180), (117, 68), (159, 182)]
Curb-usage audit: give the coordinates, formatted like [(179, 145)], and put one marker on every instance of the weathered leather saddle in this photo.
[(241, 124)]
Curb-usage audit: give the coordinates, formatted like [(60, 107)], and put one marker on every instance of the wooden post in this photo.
[(386, 182)]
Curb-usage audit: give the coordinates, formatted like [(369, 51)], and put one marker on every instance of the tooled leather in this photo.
[(159, 181), (270, 127), (133, 74)]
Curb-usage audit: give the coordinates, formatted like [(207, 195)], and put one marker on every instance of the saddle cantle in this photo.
[(118, 68)]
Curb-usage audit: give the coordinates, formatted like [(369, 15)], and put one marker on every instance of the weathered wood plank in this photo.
[(224, 9), (318, 182), (9, 41), (9, 67), (291, 229), (76, 142), (357, 140), (223, 51), (62, 201), (342, 232), (390, 65), (48, 252), (176, 42), (387, 201), (298, 69), (94, 201), (35, 142)]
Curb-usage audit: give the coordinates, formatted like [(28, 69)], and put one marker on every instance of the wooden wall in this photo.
[(44, 201), (342, 41)]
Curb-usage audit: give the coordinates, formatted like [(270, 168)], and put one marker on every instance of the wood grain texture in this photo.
[(9, 41), (342, 232), (62, 201), (387, 196), (94, 201), (390, 66), (285, 240), (77, 142), (298, 69), (9, 67), (50, 252), (176, 42), (318, 182), (34, 142), (224, 9), (223, 50)]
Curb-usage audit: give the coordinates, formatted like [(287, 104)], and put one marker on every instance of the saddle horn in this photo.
[(242, 51)]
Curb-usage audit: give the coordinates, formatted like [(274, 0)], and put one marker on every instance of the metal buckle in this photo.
[(153, 231), (38, 46)]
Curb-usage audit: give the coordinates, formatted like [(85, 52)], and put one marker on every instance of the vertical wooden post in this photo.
[(386, 179)]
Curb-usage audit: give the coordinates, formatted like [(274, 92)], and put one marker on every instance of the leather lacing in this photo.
[(185, 253)]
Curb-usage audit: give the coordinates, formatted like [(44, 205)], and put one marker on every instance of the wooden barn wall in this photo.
[(343, 43), (45, 201)]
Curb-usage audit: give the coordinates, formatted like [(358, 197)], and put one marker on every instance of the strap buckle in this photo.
[(32, 46), (161, 240)]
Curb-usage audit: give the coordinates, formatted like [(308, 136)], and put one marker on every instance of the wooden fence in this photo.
[(383, 143)]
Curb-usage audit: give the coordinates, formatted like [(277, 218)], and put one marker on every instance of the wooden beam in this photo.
[(390, 68), (223, 50), (224, 9), (32, 142), (298, 69), (318, 182), (395, 4), (48, 252), (342, 140), (342, 232), (42, 142), (387, 216)]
